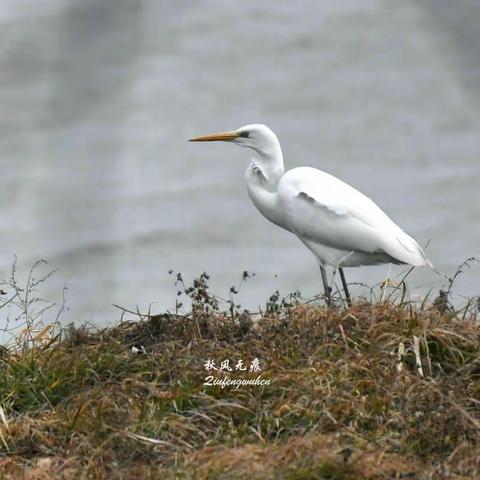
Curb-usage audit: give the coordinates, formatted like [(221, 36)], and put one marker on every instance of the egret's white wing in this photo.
[(322, 209)]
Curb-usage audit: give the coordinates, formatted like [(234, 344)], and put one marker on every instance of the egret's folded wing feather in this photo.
[(323, 209)]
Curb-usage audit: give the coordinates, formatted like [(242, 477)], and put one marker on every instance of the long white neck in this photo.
[(262, 177)]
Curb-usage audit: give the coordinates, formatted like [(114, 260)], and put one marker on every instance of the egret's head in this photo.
[(256, 136)]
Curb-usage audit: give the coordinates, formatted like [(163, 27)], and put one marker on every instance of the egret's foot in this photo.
[(326, 287), (345, 287), (328, 297)]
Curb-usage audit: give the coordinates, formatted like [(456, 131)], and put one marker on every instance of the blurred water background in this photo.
[(98, 98)]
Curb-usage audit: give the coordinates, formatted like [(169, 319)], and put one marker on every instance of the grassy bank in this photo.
[(385, 390)]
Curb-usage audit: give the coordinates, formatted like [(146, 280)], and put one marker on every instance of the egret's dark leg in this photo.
[(345, 287), (328, 290)]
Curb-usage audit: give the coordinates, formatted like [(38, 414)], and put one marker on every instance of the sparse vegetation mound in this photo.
[(379, 391)]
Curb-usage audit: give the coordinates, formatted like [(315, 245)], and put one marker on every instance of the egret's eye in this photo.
[(244, 134)]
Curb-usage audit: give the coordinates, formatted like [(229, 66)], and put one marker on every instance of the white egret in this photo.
[(340, 225)]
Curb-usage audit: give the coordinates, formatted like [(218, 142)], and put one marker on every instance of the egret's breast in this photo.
[(266, 201)]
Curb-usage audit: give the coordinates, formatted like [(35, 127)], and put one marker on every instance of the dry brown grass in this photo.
[(342, 404)]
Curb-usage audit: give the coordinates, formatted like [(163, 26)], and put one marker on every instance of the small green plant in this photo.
[(23, 312)]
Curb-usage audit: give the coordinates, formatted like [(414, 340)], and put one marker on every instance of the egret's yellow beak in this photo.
[(216, 137)]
